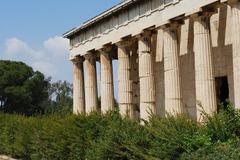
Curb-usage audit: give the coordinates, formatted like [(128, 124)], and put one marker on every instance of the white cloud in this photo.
[(57, 45), (46, 67), (49, 59), (17, 46)]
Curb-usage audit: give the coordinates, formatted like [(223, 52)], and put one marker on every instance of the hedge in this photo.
[(110, 136)]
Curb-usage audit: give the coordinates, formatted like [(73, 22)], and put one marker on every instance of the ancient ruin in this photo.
[(175, 56)]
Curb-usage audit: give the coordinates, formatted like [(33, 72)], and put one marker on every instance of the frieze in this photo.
[(123, 18)]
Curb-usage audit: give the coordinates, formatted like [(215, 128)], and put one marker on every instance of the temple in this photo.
[(174, 56)]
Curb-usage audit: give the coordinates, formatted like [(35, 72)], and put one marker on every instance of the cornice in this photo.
[(137, 18), (99, 17)]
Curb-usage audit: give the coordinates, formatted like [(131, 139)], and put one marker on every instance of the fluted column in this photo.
[(146, 77), (235, 4), (204, 72), (90, 83), (107, 90), (173, 97), (78, 86), (125, 89)]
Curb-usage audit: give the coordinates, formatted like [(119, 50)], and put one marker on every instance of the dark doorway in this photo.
[(222, 89)]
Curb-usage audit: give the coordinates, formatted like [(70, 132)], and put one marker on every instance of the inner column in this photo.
[(205, 81), (236, 50), (134, 76), (173, 97), (146, 77), (125, 82)]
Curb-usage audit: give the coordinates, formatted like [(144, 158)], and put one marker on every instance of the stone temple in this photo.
[(174, 56)]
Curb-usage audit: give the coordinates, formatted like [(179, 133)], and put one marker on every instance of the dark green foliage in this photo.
[(218, 151), (21, 89), (224, 125), (119, 138), (173, 136), (27, 92), (100, 137)]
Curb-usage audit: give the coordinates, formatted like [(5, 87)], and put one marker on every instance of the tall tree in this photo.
[(61, 97), (22, 90)]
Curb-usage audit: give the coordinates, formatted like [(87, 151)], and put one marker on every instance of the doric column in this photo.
[(90, 83), (235, 4), (173, 97), (125, 89), (134, 61), (204, 72), (146, 77), (78, 86), (107, 90)]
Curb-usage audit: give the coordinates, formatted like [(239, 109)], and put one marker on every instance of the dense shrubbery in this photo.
[(112, 137)]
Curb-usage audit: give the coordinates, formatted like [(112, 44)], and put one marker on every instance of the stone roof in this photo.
[(99, 17)]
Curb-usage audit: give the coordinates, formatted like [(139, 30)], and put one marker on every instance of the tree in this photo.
[(61, 100), (22, 90)]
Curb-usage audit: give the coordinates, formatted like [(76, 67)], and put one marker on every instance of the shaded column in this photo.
[(107, 90), (173, 97), (78, 86), (134, 61), (90, 83), (125, 91), (235, 4), (146, 77), (204, 72)]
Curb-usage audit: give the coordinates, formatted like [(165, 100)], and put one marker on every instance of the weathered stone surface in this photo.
[(236, 51), (124, 80), (146, 77), (90, 83), (173, 97), (107, 91), (4, 157), (204, 73), (78, 86), (172, 67)]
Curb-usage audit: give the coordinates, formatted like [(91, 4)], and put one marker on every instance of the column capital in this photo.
[(144, 35), (105, 49), (144, 42), (125, 43), (173, 26), (78, 59), (203, 14), (90, 56), (231, 2)]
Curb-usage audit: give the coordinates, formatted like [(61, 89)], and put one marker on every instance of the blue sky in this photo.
[(31, 30)]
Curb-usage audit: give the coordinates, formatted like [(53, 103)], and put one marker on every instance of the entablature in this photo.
[(117, 20), (131, 21)]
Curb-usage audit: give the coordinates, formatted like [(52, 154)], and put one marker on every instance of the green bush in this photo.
[(223, 151), (223, 125), (109, 136), (174, 136)]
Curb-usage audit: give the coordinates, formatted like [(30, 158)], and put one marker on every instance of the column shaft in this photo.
[(91, 84), (173, 98), (107, 90), (78, 87), (236, 51), (205, 82), (125, 82), (135, 79), (146, 77)]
